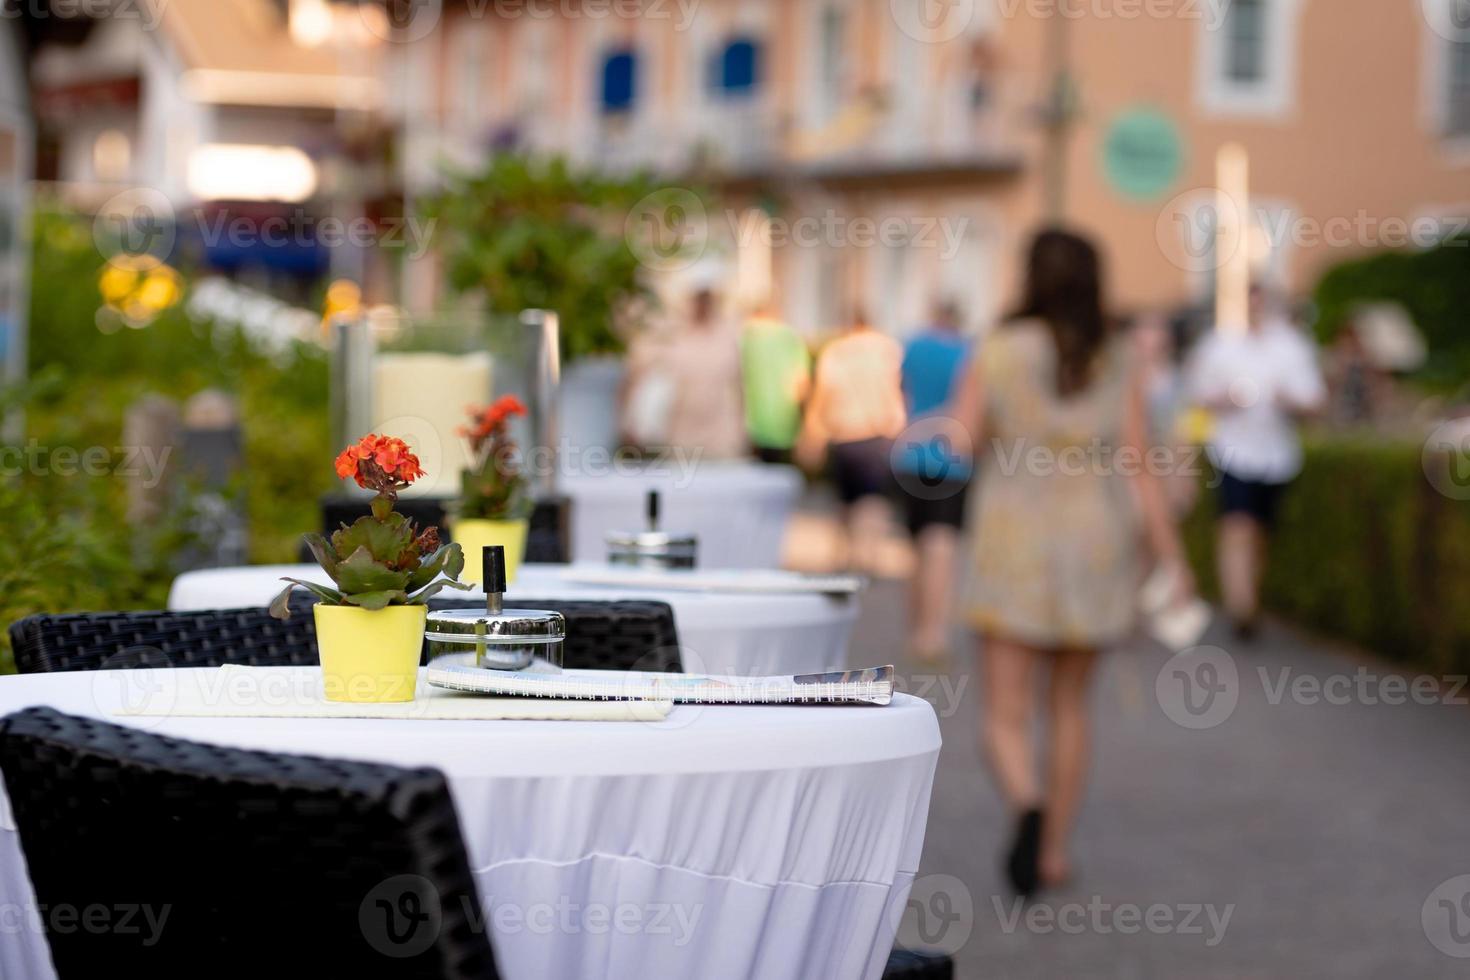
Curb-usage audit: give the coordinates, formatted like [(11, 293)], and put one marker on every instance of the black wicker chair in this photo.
[(207, 638), (607, 635), (911, 964), (207, 860)]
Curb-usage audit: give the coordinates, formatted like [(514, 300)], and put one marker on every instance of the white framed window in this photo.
[(1446, 76), (829, 61), (1457, 91), (1247, 62)]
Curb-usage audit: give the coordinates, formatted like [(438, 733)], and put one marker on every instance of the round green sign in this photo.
[(1143, 154)]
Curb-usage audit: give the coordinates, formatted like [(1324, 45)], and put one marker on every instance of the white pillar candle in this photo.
[(423, 398)]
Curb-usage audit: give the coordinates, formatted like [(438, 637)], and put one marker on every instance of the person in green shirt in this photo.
[(776, 367)]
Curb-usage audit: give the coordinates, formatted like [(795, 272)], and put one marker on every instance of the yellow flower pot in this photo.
[(369, 655), (474, 535)]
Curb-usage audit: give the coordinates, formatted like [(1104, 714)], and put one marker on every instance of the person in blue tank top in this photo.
[(933, 475)]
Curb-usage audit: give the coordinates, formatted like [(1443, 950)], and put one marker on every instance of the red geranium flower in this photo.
[(488, 422), (380, 463)]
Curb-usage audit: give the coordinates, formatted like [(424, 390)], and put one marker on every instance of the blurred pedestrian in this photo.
[(776, 366), (856, 410), (1056, 537), (1258, 383), (1160, 357), (689, 379), (933, 477)]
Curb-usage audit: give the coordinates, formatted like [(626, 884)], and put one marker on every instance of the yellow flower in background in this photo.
[(1195, 426), (137, 288), (344, 299)]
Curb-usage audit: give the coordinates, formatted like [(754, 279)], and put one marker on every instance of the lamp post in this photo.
[(1058, 115)]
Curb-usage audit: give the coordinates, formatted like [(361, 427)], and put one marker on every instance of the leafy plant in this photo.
[(494, 489), (1395, 582), (534, 234), (1433, 286), (382, 559)]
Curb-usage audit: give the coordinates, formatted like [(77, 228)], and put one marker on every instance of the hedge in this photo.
[(1366, 550), (1432, 285)]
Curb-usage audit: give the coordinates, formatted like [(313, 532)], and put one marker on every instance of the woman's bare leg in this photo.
[(1009, 670), (1241, 546), (931, 589), (1069, 723)]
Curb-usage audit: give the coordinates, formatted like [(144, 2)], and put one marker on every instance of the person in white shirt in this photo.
[(1258, 383)]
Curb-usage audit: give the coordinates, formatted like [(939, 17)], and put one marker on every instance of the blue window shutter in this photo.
[(619, 81), (740, 66)]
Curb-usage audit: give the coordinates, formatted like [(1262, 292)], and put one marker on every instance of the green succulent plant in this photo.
[(382, 559), (388, 563)]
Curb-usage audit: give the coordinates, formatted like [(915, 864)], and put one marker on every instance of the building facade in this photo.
[(883, 155), (16, 149), (223, 114)]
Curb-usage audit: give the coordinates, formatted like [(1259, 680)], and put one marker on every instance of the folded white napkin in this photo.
[(234, 691), (747, 580)]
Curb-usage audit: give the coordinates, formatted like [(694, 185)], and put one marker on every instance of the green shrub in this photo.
[(1367, 550), (537, 234), (1433, 286), (68, 544)]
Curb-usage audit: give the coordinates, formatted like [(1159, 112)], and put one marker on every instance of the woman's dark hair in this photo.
[(1064, 289)]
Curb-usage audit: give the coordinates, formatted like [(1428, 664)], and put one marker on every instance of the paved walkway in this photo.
[(1327, 823)]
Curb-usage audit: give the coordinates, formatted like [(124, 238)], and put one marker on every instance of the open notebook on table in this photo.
[(870, 685)]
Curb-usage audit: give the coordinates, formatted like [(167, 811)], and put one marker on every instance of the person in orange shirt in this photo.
[(856, 410)]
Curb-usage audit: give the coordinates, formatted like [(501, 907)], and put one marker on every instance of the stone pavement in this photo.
[(1306, 815)]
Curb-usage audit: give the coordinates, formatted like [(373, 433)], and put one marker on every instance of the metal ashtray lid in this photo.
[(507, 626), (651, 541), (659, 542)]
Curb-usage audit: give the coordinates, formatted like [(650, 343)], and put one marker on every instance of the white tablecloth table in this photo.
[(738, 510), (735, 841), (719, 633)]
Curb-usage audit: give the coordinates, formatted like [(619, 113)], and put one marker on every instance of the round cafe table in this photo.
[(738, 510), (719, 633), (729, 841)]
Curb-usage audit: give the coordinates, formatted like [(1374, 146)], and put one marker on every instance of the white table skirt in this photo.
[(738, 510), (719, 633), (736, 841)]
